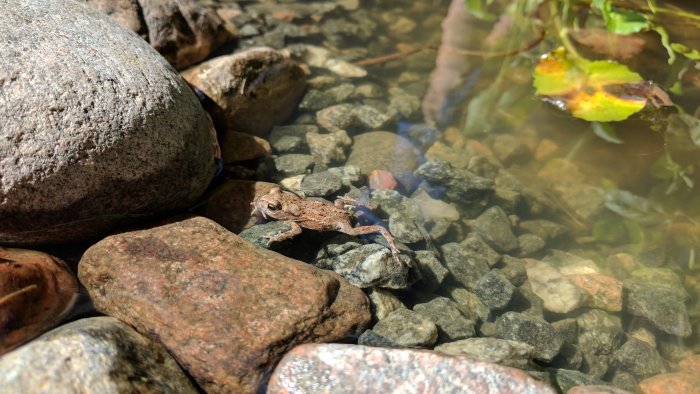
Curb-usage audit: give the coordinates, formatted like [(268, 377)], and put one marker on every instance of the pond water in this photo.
[(623, 195)]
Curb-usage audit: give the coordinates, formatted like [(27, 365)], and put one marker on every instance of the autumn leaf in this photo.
[(600, 91)]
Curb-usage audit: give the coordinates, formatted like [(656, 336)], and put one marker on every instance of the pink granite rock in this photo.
[(340, 368), (225, 309)]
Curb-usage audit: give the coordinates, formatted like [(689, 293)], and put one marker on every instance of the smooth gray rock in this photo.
[(493, 226), (639, 359), (293, 164), (452, 324), (531, 330), (557, 292), (462, 186), (403, 328), (500, 351), (98, 355), (290, 138), (320, 184), (97, 128)]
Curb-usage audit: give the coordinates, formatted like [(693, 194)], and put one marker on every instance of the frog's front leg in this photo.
[(295, 230)]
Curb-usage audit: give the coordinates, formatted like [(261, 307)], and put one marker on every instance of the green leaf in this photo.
[(602, 91), (652, 5), (478, 9), (621, 21), (666, 42), (691, 54)]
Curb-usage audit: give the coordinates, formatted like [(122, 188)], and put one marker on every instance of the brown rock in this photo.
[(381, 179), (36, 290), (597, 389), (226, 310), (250, 91), (125, 12), (229, 204), (690, 364), (183, 31), (241, 147), (671, 383), (338, 368), (603, 291), (383, 150)]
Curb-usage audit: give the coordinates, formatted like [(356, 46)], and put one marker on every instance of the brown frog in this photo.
[(318, 215)]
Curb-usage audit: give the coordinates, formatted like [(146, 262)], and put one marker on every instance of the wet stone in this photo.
[(639, 359), (445, 313), (660, 302), (530, 244), (433, 273), (88, 355), (290, 138), (466, 266), (383, 150), (570, 264), (531, 330), (597, 389), (407, 105), (405, 328), (422, 134), (527, 302), (382, 302), (469, 304), (315, 99), (565, 379), (293, 164), (545, 229), (260, 234), (599, 336), (514, 270), (328, 148), (558, 293), (349, 175), (369, 90), (494, 290), (338, 368), (494, 227), (500, 351), (404, 228), (475, 244), (677, 382), (602, 291), (462, 186), (320, 184), (368, 266)]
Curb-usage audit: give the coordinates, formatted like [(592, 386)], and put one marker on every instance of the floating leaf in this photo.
[(691, 54), (602, 91), (621, 21), (478, 8)]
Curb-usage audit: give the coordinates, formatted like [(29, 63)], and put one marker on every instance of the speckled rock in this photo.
[(250, 91), (639, 359), (558, 293), (462, 186), (493, 226), (466, 266), (125, 12), (290, 138), (36, 291), (229, 203), (531, 330), (382, 302), (382, 150), (600, 334), (320, 184), (260, 234), (293, 164), (402, 328), (367, 266), (199, 290), (433, 273), (671, 383), (565, 379), (337, 368), (602, 291), (500, 351), (452, 324), (111, 135), (494, 290), (330, 147), (99, 354), (468, 303)]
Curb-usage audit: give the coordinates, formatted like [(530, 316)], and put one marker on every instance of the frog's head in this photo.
[(274, 205)]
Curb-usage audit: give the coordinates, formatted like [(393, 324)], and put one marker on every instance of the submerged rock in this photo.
[(36, 291), (402, 328), (452, 324), (201, 290), (96, 354), (113, 137), (500, 351), (531, 330), (382, 150), (338, 368)]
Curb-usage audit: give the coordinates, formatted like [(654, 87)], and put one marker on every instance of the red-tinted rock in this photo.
[(336, 368), (381, 179), (383, 150), (603, 291), (690, 364), (250, 91), (671, 383), (36, 290), (596, 389), (225, 309)]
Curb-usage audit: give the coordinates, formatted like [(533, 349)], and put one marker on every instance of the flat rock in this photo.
[(500, 351), (531, 330), (89, 355), (451, 323), (557, 292), (404, 328), (660, 298), (113, 137), (338, 368), (202, 291), (251, 91)]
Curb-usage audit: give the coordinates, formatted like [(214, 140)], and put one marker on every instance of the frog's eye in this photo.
[(272, 207)]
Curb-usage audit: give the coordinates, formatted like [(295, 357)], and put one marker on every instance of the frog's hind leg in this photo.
[(375, 229)]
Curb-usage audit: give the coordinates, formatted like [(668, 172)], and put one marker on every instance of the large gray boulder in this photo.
[(96, 127)]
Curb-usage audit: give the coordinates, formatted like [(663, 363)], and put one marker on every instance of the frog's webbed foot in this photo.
[(282, 235), (381, 230)]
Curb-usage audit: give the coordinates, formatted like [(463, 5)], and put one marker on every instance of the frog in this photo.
[(314, 214)]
